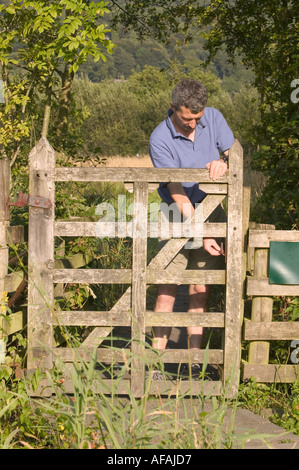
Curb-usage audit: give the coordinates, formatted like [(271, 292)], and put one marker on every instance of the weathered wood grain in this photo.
[(234, 249), (124, 276), (209, 188), (184, 319), (261, 309), (139, 280), (181, 356), (186, 387), (262, 287), (41, 257), (269, 330), (272, 373), (13, 280), (156, 276), (13, 323), (262, 238), (89, 229), (15, 234), (150, 175), (92, 318), (124, 318), (93, 276)]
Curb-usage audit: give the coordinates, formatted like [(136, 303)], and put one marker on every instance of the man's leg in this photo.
[(164, 303), (198, 303)]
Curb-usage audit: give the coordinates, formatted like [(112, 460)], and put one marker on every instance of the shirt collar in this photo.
[(202, 123)]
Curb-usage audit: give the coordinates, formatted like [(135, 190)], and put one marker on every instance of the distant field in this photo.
[(118, 161)]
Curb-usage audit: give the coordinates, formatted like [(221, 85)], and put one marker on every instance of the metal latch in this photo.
[(33, 201)]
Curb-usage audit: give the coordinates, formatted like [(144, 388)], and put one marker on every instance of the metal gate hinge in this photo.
[(33, 201)]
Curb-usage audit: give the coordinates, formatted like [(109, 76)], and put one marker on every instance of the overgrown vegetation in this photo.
[(48, 52), (88, 418)]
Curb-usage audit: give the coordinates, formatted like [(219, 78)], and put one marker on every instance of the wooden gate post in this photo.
[(41, 258), (4, 222), (234, 275), (262, 307), (139, 287)]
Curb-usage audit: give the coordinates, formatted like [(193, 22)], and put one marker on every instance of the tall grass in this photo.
[(93, 416)]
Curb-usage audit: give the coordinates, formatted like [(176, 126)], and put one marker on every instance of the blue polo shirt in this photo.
[(170, 149)]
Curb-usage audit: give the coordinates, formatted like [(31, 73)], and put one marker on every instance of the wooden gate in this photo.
[(260, 329), (130, 309)]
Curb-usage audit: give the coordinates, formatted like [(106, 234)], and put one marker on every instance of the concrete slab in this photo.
[(241, 427), (273, 436)]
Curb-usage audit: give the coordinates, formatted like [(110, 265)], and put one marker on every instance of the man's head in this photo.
[(189, 98), (191, 94)]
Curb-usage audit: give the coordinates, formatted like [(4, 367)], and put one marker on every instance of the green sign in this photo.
[(284, 263)]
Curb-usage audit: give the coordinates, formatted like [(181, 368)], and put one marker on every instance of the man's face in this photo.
[(184, 119)]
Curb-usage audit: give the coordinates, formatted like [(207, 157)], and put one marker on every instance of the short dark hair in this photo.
[(190, 93)]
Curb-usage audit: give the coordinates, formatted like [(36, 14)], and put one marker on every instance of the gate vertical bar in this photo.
[(139, 287), (234, 277), (41, 258), (4, 222)]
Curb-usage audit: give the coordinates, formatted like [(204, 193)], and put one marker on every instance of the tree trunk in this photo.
[(64, 102)]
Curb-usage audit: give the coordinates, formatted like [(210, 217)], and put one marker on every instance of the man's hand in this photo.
[(211, 246), (217, 169)]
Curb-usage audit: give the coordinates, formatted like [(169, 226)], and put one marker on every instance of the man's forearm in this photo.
[(179, 196), (186, 208)]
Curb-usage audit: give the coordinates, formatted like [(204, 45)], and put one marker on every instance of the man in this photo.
[(192, 136)]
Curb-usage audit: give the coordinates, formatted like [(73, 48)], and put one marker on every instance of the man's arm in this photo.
[(179, 196), (217, 169)]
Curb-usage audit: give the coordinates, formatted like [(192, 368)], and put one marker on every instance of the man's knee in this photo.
[(165, 298), (199, 289), (198, 297)]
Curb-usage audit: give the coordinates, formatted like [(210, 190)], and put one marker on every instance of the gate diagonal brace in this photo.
[(33, 201)]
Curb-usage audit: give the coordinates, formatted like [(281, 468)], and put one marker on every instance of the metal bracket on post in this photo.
[(33, 201)]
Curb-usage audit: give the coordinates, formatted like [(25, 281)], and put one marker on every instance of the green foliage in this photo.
[(150, 81), (46, 42), (279, 161), (155, 17), (265, 33), (48, 32), (292, 310), (42, 46), (132, 56), (281, 399), (119, 122), (241, 110), (117, 128)]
